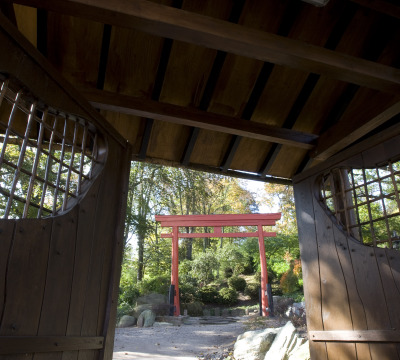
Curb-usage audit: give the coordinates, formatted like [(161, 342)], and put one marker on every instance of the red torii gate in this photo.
[(217, 222)]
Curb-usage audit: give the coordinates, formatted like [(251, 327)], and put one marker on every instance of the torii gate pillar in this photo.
[(217, 222)]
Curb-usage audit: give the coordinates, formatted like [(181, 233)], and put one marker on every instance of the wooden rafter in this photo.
[(221, 35), (339, 136), (201, 119), (381, 6)]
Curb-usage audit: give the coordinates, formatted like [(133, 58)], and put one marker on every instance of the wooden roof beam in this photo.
[(193, 117), (341, 135), (213, 33), (381, 6)]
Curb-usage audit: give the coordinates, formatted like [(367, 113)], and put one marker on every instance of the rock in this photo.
[(298, 309), (225, 312), (127, 321), (156, 302), (217, 312), (252, 345), (300, 353), (146, 319), (281, 345)]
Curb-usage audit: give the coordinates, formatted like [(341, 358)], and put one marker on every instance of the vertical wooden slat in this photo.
[(109, 326), (357, 309), (26, 276), (56, 302), (6, 237), (103, 234), (336, 312), (83, 249), (310, 263), (370, 288)]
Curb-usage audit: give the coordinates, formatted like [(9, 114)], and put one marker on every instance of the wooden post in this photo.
[(174, 272), (264, 273)]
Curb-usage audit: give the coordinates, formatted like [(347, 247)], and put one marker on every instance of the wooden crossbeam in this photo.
[(213, 33), (356, 336), (220, 235), (381, 6), (197, 118), (342, 135), (31, 344)]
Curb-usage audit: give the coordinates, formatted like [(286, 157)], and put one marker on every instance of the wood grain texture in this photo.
[(310, 263), (44, 344), (213, 33)]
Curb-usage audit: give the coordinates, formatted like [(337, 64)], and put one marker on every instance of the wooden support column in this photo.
[(264, 272), (174, 272)]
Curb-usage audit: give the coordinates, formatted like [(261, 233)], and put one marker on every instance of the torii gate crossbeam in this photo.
[(217, 222)]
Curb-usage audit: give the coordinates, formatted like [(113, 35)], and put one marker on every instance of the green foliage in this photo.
[(203, 266), (123, 309), (208, 294), (237, 283), (158, 284), (252, 290), (187, 293), (232, 258), (228, 296)]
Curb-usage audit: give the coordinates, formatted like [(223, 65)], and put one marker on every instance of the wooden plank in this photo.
[(6, 238), (42, 79), (381, 6), (31, 344), (355, 124), (219, 235), (56, 300), (83, 249), (369, 143), (26, 275), (356, 336), (357, 310), (309, 253), (217, 170), (335, 305), (221, 35), (366, 273), (192, 117), (118, 249), (393, 257)]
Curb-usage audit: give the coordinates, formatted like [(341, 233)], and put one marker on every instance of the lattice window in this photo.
[(46, 155), (366, 202)]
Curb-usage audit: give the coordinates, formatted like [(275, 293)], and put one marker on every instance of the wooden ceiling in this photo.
[(261, 89)]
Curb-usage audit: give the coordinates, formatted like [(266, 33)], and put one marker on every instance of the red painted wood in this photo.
[(219, 235), (217, 221), (264, 273), (174, 272)]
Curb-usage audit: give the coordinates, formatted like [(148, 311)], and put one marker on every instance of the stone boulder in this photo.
[(287, 344), (252, 345), (146, 319), (127, 321), (158, 303), (298, 309)]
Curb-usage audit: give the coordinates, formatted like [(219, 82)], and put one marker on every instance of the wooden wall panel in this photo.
[(358, 284)]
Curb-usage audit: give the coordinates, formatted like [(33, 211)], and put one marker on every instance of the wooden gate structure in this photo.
[(303, 93), (218, 222)]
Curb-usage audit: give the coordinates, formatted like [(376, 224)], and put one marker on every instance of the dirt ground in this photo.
[(185, 342)]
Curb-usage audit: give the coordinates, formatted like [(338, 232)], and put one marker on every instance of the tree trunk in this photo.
[(140, 257)]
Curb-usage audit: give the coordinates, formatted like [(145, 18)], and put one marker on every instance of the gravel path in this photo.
[(186, 342)]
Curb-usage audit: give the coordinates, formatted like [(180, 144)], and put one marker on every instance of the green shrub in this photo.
[(228, 272), (158, 284), (228, 296), (128, 293), (123, 309), (237, 283), (187, 293), (208, 294), (252, 290)]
